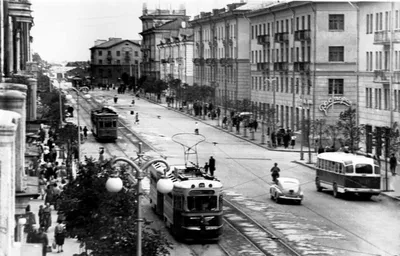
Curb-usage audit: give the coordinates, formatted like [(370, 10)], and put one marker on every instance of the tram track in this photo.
[(242, 234)]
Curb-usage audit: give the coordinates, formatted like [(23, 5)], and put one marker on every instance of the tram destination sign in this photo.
[(332, 101)]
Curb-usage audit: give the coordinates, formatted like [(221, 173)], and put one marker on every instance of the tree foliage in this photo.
[(104, 222), (351, 131)]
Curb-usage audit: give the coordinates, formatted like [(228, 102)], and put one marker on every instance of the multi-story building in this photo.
[(176, 54), (155, 24), (304, 60), (221, 54), (113, 59), (378, 67), (17, 108)]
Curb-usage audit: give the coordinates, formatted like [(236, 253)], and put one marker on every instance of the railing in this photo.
[(281, 66), (380, 76), (302, 35), (263, 39), (302, 66), (383, 37), (263, 66), (281, 37)]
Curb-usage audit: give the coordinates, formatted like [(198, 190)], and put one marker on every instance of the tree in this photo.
[(243, 105), (351, 132), (333, 131), (104, 222)]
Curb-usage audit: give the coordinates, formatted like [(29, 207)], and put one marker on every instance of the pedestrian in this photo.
[(115, 99), (273, 139), (211, 165), (44, 240), (42, 185), (85, 130), (49, 199), (101, 154), (224, 121), (275, 172), (41, 216), (206, 167), (137, 118), (393, 164), (59, 235), (293, 141), (46, 217)]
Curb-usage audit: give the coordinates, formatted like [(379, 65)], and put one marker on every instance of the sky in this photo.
[(64, 30)]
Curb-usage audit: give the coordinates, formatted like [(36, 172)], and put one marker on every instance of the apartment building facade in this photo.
[(176, 54), (379, 67), (303, 61), (155, 25), (221, 54), (114, 58)]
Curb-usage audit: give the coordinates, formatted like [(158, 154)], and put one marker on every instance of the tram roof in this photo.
[(346, 158)]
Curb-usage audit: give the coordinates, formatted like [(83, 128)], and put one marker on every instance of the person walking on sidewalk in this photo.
[(85, 131), (44, 240), (393, 164), (211, 165), (275, 172), (137, 118), (59, 235), (115, 99)]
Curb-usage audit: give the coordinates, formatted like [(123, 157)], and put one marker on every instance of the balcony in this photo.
[(210, 61), (226, 62), (179, 60), (263, 66), (383, 37), (281, 66), (202, 61), (302, 66), (281, 37), (396, 77), (302, 35), (164, 61), (170, 60), (381, 76), (263, 39)]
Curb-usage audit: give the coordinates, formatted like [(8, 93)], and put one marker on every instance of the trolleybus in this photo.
[(348, 173)]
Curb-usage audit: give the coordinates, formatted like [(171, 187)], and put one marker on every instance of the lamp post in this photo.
[(59, 93), (273, 114), (69, 97), (164, 185)]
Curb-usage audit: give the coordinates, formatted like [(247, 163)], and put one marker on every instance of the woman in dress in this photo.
[(59, 235)]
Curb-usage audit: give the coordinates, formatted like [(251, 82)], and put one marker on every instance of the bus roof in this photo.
[(346, 158)]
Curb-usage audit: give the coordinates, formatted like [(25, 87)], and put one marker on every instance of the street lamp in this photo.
[(164, 185), (69, 97), (273, 114)]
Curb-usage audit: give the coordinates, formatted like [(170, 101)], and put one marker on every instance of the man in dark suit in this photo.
[(211, 165)]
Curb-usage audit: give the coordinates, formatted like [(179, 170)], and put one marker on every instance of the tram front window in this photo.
[(202, 203)]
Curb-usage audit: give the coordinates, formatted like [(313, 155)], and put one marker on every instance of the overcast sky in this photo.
[(64, 30)]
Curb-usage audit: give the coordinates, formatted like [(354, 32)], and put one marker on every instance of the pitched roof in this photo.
[(114, 42)]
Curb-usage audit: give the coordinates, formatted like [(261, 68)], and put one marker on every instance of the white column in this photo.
[(8, 127), (10, 48), (18, 51)]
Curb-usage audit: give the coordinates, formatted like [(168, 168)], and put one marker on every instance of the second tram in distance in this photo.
[(193, 210), (104, 124)]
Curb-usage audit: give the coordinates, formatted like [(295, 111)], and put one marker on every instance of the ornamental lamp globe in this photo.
[(165, 185), (114, 184)]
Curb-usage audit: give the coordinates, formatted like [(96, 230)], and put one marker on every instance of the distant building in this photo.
[(221, 54), (113, 59), (155, 25), (176, 54)]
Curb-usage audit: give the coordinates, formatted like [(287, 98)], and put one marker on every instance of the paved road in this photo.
[(322, 225)]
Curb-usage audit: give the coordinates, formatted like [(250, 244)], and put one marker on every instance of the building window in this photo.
[(386, 98), (136, 53), (100, 62), (118, 62), (336, 22), (100, 53), (335, 87), (118, 53), (336, 53)]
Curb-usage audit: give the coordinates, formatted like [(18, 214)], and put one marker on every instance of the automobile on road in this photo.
[(286, 189)]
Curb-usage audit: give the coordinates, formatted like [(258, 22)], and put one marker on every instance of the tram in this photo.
[(193, 209), (104, 124)]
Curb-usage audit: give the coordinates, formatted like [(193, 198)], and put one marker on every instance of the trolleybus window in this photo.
[(108, 124), (364, 169), (349, 169)]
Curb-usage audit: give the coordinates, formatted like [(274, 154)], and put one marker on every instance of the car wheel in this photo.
[(335, 191), (277, 200), (318, 184), (299, 202)]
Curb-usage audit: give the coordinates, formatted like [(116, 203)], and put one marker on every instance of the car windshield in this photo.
[(202, 203), (364, 169)]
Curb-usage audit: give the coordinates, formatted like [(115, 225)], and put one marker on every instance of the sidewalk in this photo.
[(393, 181)]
